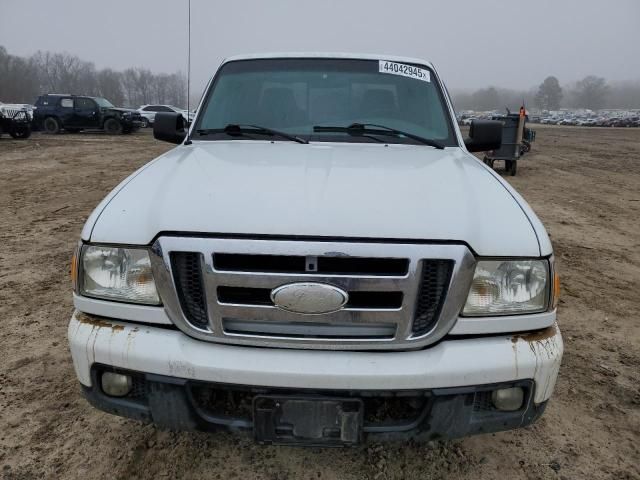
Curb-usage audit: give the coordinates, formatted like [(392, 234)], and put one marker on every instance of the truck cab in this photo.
[(319, 261)]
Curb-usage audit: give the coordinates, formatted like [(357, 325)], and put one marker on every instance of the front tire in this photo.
[(112, 127), (21, 133), (51, 125), (145, 122)]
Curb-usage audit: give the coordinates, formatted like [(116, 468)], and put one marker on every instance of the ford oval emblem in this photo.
[(309, 298)]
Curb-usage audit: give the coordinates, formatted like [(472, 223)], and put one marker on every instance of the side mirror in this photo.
[(169, 127), (484, 135)]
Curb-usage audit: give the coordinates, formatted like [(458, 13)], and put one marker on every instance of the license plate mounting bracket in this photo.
[(305, 420)]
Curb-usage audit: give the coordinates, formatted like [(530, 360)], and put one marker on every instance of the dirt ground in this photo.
[(584, 183)]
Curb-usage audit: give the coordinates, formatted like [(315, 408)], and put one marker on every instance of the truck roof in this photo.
[(353, 56)]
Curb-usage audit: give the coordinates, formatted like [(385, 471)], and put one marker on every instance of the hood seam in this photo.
[(498, 179), (120, 187)]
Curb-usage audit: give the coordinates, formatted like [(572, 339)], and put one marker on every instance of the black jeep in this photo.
[(73, 113)]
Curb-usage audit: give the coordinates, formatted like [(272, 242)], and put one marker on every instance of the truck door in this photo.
[(86, 113)]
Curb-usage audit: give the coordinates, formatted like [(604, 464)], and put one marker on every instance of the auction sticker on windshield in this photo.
[(404, 70)]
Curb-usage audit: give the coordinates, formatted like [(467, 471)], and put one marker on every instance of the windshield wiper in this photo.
[(374, 129), (246, 129)]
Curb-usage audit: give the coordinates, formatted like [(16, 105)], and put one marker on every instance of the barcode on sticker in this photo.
[(404, 70)]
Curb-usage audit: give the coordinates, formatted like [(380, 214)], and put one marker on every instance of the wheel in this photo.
[(112, 126), (22, 132), (51, 125), (511, 167), (145, 122)]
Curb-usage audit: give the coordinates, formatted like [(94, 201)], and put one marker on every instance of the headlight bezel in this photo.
[(79, 283), (549, 300)]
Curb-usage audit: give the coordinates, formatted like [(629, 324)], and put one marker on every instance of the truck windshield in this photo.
[(103, 102), (294, 95)]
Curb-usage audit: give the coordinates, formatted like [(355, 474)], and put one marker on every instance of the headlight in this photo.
[(114, 273), (508, 287)]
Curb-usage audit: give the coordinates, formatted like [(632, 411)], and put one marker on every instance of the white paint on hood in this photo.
[(320, 189)]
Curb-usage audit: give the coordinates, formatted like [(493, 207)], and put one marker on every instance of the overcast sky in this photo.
[(510, 43)]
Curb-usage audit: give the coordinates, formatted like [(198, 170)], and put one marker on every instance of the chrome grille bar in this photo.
[(220, 314)]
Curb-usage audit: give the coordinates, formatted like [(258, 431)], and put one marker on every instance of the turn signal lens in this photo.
[(556, 290), (74, 270)]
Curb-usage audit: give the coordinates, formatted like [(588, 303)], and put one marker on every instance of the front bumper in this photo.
[(130, 121), (182, 404), (452, 374)]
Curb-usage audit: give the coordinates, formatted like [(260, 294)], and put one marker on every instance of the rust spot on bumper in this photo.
[(98, 322), (538, 336)]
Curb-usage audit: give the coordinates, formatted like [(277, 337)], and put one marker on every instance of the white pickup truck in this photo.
[(320, 261)]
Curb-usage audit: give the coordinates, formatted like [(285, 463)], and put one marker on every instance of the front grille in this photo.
[(187, 275), (397, 293), (436, 275)]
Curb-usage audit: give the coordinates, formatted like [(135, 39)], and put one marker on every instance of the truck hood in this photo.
[(321, 190)]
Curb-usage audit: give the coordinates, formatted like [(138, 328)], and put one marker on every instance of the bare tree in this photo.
[(624, 95), (129, 82), (160, 88), (177, 90), (18, 78), (144, 85), (549, 94), (22, 80), (590, 92), (486, 98), (110, 85)]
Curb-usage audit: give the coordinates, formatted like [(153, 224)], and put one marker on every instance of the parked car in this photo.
[(627, 122), (549, 121), (73, 113), (324, 272), (613, 122), (148, 113), (15, 119)]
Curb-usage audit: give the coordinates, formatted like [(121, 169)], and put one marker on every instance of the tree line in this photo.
[(23, 79), (592, 92)]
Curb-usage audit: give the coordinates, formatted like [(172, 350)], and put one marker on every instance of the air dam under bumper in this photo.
[(457, 370)]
